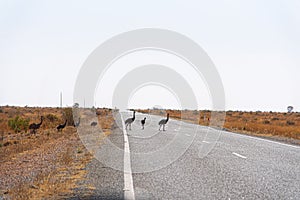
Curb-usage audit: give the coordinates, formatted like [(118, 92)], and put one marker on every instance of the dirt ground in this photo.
[(274, 125), (46, 164)]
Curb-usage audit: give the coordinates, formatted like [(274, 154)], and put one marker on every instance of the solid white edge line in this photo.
[(257, 138), (266, 140), (239, 155), (128, 180)]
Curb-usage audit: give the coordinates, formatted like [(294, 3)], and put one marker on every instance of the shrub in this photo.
[(2, 135), (68, 113), (275, 119), (7, 143), (17, 124), (51, 117), (290, 123), (266, 122), (79, 150), (98, 112), (1, 111)]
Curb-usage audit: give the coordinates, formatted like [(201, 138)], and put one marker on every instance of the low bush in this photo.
[(275, 119), (18, 124), (51, 117), (68, 114), (7, 143), (291, 123)]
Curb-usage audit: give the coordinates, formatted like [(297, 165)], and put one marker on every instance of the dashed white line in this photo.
[(205, 142), (239, 155), (128, 181), (187, 135)]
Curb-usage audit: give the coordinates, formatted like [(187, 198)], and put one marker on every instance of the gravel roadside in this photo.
[(102, 182)]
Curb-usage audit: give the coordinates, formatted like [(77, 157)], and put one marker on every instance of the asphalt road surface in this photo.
[(194, 162)]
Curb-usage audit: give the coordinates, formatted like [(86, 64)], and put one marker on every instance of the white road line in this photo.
[(262, 139), (206, 142), (128, 181), (283, 144), (187, 135), (239, 155)]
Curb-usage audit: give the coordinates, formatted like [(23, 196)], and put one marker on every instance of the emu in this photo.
[(143, 121), (93, 123), (35, 126), (163, 122), (129, 121), (76, 124), (61, 126)]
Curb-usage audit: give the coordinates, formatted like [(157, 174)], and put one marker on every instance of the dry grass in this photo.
[(286, 125), (56, 184), (105, 117), (47, 164)]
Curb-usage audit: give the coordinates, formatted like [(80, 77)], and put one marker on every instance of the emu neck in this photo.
[(40, 122)]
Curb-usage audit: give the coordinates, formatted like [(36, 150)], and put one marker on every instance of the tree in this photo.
[(290, 109), (76, 105)]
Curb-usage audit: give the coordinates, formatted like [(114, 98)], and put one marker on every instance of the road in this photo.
[(234, 166)]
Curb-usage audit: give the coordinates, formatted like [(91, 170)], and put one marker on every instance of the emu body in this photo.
[(93, 123), (143, 121), (35, 126), (61, 126), (163, 122), (129, 121)]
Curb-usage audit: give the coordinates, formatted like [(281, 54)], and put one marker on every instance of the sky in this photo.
[(255, 46)]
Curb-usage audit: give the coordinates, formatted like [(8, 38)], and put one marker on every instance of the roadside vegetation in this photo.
[(45, 164), (265, 124)]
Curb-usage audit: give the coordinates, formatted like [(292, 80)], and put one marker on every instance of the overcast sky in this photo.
[(255, 45)]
